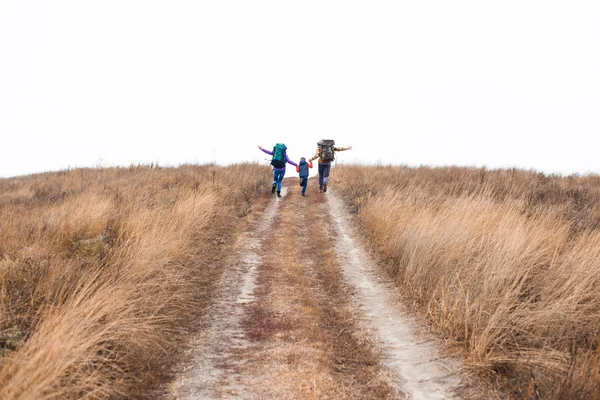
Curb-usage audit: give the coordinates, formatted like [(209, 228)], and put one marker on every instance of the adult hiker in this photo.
[(326, 154), (280, 158)]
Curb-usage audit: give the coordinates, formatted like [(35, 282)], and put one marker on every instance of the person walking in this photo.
[(279, 160), (302, 169), (326, 154)]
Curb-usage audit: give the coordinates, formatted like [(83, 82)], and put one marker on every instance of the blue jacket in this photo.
[(303, 169)]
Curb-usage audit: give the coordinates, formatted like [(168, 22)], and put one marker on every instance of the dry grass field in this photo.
[(506, 264), (102, 270)]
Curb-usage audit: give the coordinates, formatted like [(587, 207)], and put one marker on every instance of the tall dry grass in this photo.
[(506, 263), (101, 272)]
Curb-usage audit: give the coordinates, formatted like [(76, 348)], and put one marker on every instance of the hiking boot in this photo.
[(279, 193), (320, 190), (325, 188), (274, 187)]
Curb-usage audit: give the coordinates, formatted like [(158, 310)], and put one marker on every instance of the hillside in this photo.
[(104, 270), (197, 282), (504, 264)]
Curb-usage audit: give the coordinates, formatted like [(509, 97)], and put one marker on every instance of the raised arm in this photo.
[(265, 151), (342, 148)]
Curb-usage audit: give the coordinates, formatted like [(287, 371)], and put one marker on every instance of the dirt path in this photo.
[(413, 356), (300, 312)]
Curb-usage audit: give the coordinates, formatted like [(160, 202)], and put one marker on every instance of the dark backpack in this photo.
[(278, 160), (327, 152)]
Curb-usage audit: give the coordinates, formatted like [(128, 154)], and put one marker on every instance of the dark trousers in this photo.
[(323, 174), (304, 184)]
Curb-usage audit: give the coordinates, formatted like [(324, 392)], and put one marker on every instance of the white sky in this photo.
[(113, 82)]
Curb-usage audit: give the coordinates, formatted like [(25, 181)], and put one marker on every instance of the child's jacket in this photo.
[(302, 168)]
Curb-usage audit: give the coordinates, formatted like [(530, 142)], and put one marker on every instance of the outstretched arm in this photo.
[(290, 161), (342, 148), (265, 151)]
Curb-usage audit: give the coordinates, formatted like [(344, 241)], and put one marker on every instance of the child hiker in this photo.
[(278, 162), (302, 169)]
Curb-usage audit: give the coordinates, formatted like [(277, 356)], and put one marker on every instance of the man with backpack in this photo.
[(278, 162), (326, 154)]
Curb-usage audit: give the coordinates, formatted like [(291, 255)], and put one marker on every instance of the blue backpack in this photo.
[(278, 160)]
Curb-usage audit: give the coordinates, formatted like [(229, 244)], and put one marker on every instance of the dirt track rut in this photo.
[(301, 312)]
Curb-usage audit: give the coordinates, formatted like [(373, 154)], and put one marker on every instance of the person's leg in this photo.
[(304, 185), (321, 169), (326, 170), (279, 179), (275, 172)]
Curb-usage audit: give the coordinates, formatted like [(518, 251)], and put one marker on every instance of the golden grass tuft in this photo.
[(101, 271), (505, 263)]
